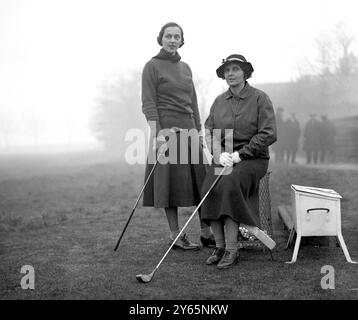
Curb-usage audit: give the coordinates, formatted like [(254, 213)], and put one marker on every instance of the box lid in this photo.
[(319, 191)]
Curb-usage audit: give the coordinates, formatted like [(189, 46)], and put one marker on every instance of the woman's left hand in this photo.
[(226, 159), (235, 157)]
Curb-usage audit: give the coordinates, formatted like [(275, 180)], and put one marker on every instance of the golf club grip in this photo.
[(135, 205), (192, 215)]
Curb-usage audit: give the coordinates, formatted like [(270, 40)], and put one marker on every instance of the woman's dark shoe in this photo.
[(208, 242), (183, 243), (228, 260), (215, 256)]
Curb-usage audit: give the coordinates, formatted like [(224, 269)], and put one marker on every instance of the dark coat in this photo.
[(252, 119)]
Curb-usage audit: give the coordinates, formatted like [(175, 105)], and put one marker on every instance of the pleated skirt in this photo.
[(177, 183), (235, 195)]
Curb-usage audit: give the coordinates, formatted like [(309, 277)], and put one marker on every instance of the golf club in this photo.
[(135, 205), (145, 278), (160, 153)]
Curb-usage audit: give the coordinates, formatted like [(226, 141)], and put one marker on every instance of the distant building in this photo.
[(337, 98), (346, 139)]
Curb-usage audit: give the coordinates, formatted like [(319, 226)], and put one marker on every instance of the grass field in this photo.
[(63, 213)]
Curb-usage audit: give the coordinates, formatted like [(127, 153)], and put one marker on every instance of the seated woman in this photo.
[(246, 116)]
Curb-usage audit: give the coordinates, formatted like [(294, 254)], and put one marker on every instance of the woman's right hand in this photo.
[(225, 159), (161, 144)]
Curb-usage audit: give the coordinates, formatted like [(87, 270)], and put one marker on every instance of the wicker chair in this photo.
[(265, 216)]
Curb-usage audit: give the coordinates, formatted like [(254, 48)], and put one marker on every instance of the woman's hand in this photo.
[(226, 159), (235, 157), (161, 145)]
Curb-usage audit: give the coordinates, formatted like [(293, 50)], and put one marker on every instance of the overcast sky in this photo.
[(55, 53)]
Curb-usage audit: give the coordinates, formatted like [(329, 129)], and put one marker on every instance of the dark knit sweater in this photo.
[(167, 88)]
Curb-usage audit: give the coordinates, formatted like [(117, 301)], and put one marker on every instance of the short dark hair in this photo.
[(167, 25)]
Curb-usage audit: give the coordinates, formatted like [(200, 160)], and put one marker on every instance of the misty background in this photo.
[(70, 70)]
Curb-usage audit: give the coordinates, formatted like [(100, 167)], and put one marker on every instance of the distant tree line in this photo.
[(326, 90), (118, 109), (327, 87)]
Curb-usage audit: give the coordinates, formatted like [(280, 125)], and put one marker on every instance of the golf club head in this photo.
[(144, 278)]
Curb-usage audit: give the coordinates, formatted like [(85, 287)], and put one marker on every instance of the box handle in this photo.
[(317, 209)]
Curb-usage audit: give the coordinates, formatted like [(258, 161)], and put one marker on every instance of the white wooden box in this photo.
[(315, 212)]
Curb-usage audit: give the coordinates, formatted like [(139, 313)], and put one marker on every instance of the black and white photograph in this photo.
[(178, 157)]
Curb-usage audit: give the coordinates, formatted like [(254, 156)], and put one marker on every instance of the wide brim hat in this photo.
[(240, 59)]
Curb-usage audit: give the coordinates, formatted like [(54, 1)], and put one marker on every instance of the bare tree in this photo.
[(118, 109), (335, 56), (325, 56), (330, 79), (347, 64), (6, 127), (34, 126)]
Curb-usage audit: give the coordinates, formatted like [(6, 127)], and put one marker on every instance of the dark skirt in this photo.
[(235, 195), (176, 184)]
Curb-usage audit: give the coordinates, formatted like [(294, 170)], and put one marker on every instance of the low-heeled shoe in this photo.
[(216, 256), (183, 243), (228, 260)]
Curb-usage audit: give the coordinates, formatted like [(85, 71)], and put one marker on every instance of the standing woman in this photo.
[(248, 112), (169, 102)]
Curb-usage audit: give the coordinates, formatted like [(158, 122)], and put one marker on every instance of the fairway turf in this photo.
[(63, 215)]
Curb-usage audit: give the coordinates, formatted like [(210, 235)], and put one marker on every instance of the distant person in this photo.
[(327, 134), (278, 146), (311, 137), (284, 137), (292, 132), (169, 100), (234, 200)]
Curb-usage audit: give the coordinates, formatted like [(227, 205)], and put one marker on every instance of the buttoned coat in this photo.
[(247, 125)]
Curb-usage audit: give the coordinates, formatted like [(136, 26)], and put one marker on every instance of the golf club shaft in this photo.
[(192, 215), (135, 205)]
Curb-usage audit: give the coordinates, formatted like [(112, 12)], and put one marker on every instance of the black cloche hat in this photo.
[(234, 58)]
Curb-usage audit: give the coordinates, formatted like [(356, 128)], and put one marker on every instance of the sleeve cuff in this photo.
[(241, 154), (154, 129)]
